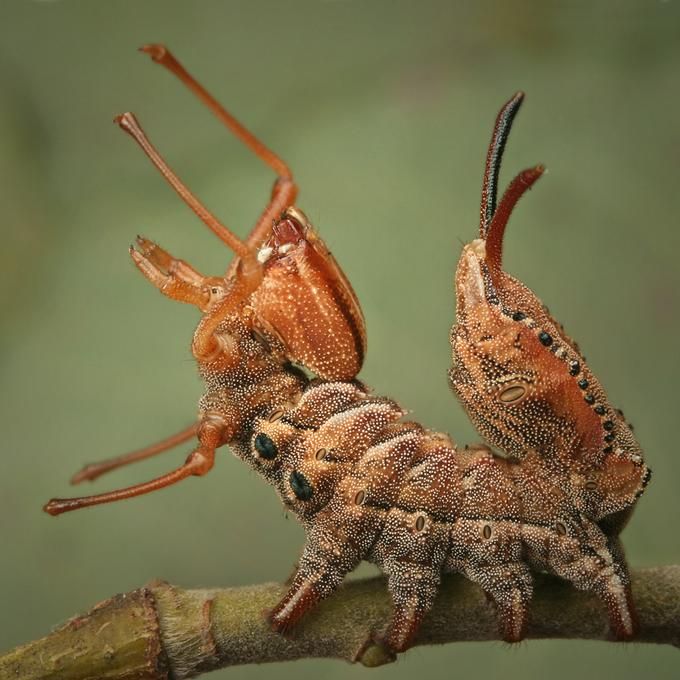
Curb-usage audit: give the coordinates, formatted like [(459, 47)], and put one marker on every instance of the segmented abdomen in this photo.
[(369, 486)]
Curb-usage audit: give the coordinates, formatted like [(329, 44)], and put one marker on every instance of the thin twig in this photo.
[(162, 632)]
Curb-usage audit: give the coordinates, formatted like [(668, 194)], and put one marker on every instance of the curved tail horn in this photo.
[(494, 157), (496, 229)]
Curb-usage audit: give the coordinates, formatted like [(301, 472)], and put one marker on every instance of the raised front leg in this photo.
[(284, 190), (182, 285), (175, 278)]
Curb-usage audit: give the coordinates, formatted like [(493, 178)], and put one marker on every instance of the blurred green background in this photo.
[(384, 110)]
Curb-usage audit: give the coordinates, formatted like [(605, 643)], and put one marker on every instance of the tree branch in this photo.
[(160, 631)]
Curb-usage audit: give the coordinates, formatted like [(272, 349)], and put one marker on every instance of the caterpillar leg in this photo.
[(245, 273), (324, 563), (413, 588), (490, 553), (580, 552), (411, 552), (618, 595), (510, 588)]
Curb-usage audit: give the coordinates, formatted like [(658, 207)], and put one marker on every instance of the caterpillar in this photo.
[(279, 346)]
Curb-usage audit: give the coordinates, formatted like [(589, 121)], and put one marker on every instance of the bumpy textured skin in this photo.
[(562, 411), (368, 485)]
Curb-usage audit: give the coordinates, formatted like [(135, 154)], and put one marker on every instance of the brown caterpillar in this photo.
[(365, 483)]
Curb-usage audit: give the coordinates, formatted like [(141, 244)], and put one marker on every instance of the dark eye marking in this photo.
[(545, 338), (300, 486), (265, 447)]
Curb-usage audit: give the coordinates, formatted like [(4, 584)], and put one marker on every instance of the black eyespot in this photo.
[(518, 316), (265, 447), (609, 437), (583, 384), (589, 399), (599, 409), (545, 338), (574, 368), (608, 449), (608, 425), (301, 487)]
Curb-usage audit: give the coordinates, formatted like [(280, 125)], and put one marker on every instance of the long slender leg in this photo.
[(204, 345), (130, 124), (284, 193), (200, 461), (161, 55), (248, 269), (92, 471)]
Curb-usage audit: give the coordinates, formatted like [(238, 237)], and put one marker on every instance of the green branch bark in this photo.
[(163, 632)]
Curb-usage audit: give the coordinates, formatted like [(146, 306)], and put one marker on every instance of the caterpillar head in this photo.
[(521, 379), (306, 301)]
